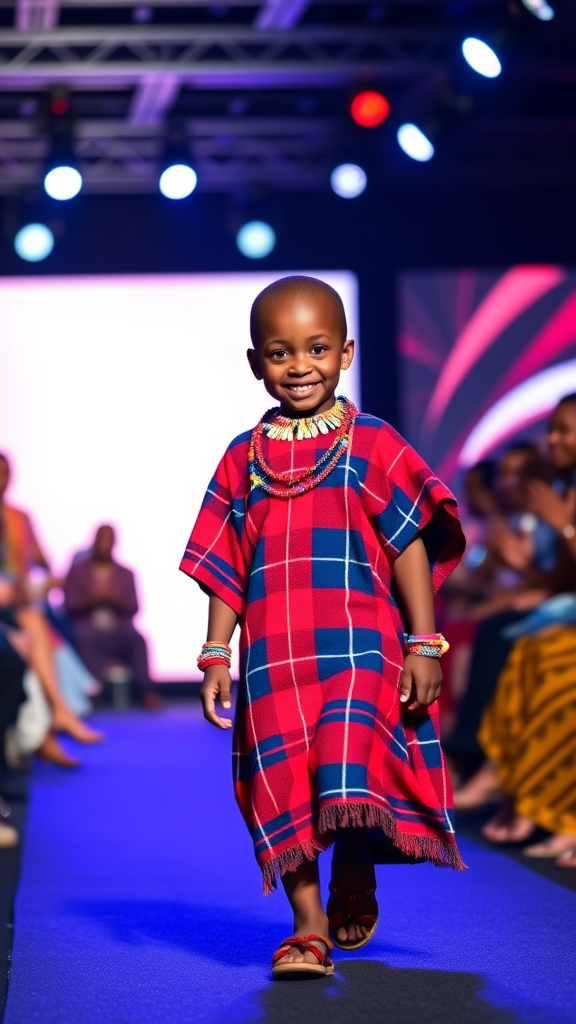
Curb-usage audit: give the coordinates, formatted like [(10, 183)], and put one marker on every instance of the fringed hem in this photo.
[(357, 815), (335, 816), (290, 860)]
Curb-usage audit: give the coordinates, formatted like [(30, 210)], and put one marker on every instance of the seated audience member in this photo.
[(529, 726), (24, 553), (471, 579), (19, 550), (100, 597), (529, 734), (523, 569), (522, 547), (11, 697), (469, 583)]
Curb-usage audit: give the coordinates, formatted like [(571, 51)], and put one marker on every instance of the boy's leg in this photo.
[(302, 888), (353, 871)]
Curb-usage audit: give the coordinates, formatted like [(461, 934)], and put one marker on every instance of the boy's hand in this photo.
[(421, 681), (216, 683)]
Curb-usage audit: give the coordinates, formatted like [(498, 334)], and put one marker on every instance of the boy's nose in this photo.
[(300, 367)]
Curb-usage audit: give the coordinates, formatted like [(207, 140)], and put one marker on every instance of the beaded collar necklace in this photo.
[(295, 482), (281, 428)]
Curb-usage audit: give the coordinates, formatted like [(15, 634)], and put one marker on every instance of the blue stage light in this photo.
[(178, 181), (414, 143), (34, 242), (348, 181), (63, 182), (256, 239), (481, 57), (540, 9)]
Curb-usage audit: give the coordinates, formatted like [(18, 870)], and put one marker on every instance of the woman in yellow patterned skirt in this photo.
[(529, 733)]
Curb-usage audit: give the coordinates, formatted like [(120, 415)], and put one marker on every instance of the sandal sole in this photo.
[(301, 971)]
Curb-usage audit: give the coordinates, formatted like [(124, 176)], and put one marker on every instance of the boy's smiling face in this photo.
[(299, 352)]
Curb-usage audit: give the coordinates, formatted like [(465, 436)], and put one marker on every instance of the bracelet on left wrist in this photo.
[(428, 645)]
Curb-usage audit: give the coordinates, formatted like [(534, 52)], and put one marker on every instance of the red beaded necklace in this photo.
[(295, 482)]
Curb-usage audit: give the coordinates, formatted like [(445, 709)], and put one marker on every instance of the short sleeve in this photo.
[(214, 554), (407, 500)]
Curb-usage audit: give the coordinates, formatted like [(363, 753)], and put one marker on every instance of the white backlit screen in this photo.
[(118, 396)]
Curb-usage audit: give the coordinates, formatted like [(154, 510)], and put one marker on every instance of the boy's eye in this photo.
[(318, 350), (278, 353)]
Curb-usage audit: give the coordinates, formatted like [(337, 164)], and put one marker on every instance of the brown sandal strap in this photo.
[(351, 899)]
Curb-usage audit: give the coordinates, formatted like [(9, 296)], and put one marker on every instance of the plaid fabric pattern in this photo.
[(319, 741)]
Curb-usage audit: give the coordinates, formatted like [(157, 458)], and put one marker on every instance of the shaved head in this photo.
[(296, 288)]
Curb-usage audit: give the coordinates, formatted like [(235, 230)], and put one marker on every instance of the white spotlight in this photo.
[(414, 143), (540, 9), (348, 181), (178, 181), (481, 57), (34, 242), (256, 239), (63, 182)]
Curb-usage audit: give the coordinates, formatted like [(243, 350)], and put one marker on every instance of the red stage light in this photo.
[(59, 105), (369, 109)]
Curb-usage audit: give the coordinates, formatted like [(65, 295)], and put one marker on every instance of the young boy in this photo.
[(325, 535)]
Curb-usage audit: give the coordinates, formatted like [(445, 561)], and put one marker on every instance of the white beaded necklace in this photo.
[(281, 428)]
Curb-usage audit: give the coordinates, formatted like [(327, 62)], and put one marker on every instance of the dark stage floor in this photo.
[(140, 904)]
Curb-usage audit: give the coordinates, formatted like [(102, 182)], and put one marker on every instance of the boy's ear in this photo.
[(347, 354), (254, 360)]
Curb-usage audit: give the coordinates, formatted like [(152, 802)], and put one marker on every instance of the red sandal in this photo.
[(304, 943), (338, 919)]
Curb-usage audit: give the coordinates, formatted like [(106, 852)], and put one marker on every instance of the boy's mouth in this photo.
[(302, 390)]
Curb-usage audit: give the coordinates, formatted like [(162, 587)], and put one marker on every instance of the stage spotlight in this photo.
[(540, 9), (178, 181), (481, 57), (348, 181), (414, 143), (369, 109), (256, 239), (34, 242), (63, 182)]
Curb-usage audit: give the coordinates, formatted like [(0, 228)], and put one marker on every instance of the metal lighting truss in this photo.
[(214, 57), (115, 156), (151, 64)]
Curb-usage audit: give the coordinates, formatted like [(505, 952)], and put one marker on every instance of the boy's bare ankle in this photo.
[(311, 924)]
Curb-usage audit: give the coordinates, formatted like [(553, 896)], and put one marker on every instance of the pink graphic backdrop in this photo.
[(484, 356)]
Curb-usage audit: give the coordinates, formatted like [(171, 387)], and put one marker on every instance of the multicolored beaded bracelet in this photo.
[(429, 645), (214, 653)]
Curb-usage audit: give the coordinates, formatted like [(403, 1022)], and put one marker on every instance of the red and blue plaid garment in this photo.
[(319, 738)]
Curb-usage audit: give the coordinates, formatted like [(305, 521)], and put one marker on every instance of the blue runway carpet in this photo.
[(140, 904)]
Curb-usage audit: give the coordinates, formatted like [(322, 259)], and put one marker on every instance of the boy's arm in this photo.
[(222, 622), (421, 676)]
